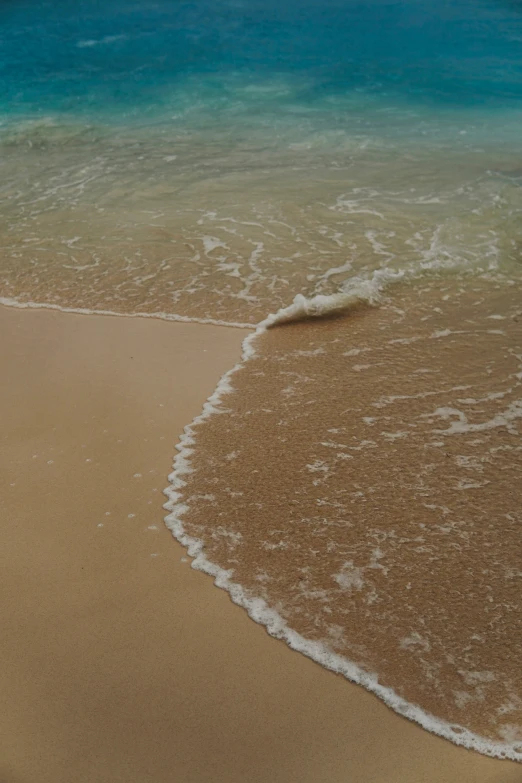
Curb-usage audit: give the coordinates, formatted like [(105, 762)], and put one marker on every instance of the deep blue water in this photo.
[(91, 55)]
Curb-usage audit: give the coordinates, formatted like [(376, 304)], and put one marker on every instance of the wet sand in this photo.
[(376, 502), (118, 662)]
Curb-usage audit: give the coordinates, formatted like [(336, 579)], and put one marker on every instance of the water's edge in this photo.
[(257, 608)]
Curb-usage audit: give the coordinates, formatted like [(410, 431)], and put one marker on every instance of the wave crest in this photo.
[(354, 294)]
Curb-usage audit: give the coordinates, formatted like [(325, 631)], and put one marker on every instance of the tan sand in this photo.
[(119, 662)]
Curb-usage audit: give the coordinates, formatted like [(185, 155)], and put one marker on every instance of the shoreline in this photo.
[(120, 661)]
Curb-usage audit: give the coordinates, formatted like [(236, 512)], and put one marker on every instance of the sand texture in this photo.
[(117, 661)]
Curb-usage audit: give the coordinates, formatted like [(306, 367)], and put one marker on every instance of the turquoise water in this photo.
[(213, 159), (125, 58)]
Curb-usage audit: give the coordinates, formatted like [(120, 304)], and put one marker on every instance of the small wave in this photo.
[(356, 293), (108, 39)]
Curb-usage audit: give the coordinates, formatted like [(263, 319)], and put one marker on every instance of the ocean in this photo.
[(345, 180)]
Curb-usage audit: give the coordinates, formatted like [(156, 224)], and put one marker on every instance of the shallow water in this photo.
[(362, 479), (212, 161)]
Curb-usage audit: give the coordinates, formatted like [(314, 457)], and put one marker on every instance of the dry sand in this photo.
[(118, 662)]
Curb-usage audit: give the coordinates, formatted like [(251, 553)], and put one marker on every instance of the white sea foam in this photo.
[(459, 421), (368, 291), (8, 302), (355, 292), (107, 39)]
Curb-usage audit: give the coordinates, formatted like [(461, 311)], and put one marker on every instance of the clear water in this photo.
[(212, 159)]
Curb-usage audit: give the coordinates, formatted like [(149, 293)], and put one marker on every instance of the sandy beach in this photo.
[(118, 661)]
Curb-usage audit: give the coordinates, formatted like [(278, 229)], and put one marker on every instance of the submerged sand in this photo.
[(376, 502), (119, 662)]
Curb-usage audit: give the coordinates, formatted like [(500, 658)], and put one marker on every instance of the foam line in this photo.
[(369, 291), (6, 302)]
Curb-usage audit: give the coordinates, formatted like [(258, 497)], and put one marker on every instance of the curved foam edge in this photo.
[(257, 608), (6, 302)]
